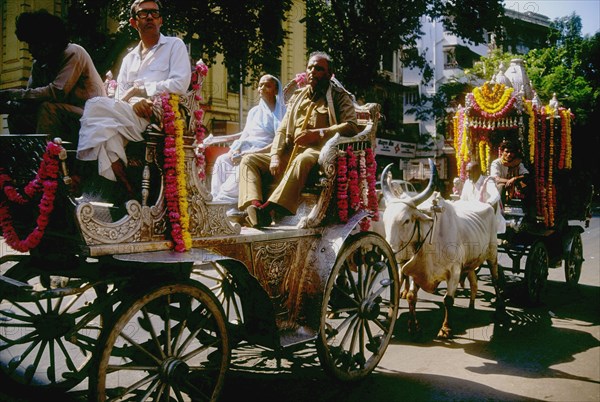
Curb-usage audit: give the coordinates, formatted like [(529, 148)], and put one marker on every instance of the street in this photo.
[(549, 352)]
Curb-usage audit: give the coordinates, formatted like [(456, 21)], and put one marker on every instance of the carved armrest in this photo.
[(337, 144)]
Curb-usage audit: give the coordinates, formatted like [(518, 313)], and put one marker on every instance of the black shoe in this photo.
[(257, 217)]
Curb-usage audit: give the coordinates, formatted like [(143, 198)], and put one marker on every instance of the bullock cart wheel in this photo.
[(536, 271), (224, 287), (170, 343), (360, 306), (573, 259), (48, 333)]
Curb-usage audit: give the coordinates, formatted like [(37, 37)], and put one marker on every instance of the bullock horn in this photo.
[(386, 177), (425, 194)]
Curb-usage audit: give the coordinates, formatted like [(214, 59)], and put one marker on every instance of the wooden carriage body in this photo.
[(286, 266)]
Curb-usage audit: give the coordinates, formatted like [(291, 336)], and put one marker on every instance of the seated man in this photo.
[(315, 113), (482, 188), (508, 171), (157, 64), (257, 136), (63, 78)]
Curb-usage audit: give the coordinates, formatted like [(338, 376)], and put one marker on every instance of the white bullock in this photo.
[(444, 243)]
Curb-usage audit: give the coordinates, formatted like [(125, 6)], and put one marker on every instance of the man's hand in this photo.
[(143, 108), (275, 165), (308, 137), (235, 156)]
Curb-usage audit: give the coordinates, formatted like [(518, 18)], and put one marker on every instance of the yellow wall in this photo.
[(15, 61)]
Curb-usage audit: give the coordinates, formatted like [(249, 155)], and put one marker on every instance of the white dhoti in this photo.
[(107, 126), (225, 180)]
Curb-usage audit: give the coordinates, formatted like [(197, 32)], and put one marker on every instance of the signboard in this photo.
[(398, 149), (418, 169)]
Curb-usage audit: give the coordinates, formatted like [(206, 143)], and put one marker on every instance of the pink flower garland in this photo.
[(342, 188), (46, 182), (353, 187), (372, 205), (198, 75)]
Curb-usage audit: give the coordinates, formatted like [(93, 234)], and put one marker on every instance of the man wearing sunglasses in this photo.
[(157, 64)]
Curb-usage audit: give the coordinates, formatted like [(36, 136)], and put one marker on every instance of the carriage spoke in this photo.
[(199, 350), (140, 347), (152, 332), (68, 360)]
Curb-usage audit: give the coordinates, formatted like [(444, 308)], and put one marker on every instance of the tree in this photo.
[(360, 33), (249, 34)]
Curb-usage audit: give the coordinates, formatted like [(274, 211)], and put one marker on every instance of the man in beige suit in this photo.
[(314, 114)]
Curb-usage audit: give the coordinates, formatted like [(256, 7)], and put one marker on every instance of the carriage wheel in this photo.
[(47, 339), (359, 309), (536, 271), (574, 260), (223, 286), (166, 344)]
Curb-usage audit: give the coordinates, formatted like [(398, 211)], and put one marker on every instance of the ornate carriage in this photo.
[(146, 298), (538, 216)]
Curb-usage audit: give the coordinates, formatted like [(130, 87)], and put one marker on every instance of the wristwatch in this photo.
[(321, 133)]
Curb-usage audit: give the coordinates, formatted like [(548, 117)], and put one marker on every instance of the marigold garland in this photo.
[(46, 182), (175, 175), (493, 102), (531, 133)]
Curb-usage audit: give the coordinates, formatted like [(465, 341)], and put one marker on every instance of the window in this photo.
[(450, 58), (411, 96)]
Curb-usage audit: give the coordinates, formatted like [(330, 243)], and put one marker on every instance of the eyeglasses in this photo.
[(145, 13)]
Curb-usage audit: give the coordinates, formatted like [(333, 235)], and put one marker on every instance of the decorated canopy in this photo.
[(507, 108)]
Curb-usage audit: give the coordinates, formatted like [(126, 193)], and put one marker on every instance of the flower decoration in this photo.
[(300, 79), (45, 182), (544, 131), (198, 75), (175, 175), (356, 180), (342, 188)]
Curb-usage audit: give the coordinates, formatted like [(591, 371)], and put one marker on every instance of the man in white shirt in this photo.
[(482, 188), (157, 64)]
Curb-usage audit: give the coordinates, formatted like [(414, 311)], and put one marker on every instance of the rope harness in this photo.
[(417, 229)]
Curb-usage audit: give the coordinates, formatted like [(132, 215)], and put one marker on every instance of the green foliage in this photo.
[(247, 33), (359, 33)]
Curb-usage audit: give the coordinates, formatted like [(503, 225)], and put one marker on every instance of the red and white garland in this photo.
[(356, 177), (45, 182)]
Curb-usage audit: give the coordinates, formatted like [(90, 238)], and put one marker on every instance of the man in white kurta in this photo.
[(482, 188), (156, 65)]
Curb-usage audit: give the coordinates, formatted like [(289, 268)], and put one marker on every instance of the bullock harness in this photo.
[(417, 229)]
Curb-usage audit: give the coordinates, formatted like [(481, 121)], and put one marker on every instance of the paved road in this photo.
[(549, 352)]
